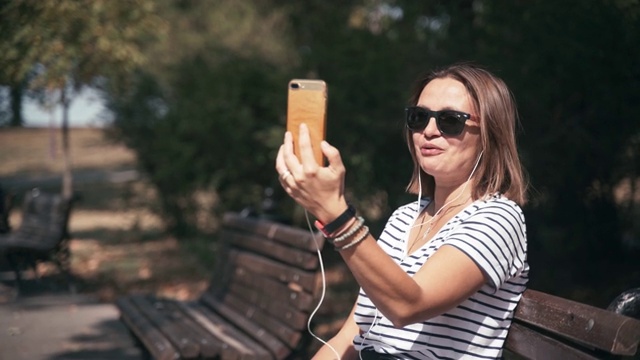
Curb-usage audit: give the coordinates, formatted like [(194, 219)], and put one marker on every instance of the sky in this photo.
[(86, 110)]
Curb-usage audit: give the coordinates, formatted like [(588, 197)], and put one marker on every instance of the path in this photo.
[(45, 323)]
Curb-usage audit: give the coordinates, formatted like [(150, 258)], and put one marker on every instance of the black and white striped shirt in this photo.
[(492, 232)]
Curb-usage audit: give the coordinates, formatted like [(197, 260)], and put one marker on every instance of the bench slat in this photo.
[(299, 258), (254, 287), (585, 324), (285, 234), (273, 324), (258, 333), (235, 345), (294, 319), (529, 344), (209, 346), (175, 333), (154, 341), (270, 268)]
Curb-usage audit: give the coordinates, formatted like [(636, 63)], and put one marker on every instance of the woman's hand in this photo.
[(318, 189)]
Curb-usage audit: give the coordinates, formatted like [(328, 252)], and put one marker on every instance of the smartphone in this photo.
[(307, 103)]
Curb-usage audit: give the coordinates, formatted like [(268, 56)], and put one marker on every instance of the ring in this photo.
[(285, 175)]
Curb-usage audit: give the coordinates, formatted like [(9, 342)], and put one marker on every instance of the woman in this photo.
[(447, 272)]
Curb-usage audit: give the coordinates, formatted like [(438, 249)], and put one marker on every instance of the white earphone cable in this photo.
[(449, 202), (324, 289)]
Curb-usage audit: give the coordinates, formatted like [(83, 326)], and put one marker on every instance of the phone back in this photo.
[(307, 103)]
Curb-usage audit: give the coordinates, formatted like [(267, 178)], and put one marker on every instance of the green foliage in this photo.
[(77, 40), (198, 89), (206, 114), (203, 134), (208, 117), (572, 67)]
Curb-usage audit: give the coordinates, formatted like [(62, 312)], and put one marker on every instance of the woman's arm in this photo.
[(445, 281), (449, 278), (342, 342)]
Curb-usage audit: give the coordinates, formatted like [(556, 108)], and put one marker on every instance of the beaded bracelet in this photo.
[(362, 236), (354, 228)]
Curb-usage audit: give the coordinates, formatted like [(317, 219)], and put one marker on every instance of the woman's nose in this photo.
[(432, 128)]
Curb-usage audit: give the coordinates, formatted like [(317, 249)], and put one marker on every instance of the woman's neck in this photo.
[(446, 196)]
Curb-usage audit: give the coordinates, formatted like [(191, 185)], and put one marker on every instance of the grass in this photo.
[(38, 151)]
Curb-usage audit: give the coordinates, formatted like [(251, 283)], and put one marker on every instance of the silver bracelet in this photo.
[(351, 231), (364, 235)]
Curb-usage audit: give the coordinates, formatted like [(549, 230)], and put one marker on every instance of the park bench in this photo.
[(41, 236), (551, 327), (257, 305)]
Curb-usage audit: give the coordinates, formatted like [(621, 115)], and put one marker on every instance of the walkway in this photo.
[(45, 323)]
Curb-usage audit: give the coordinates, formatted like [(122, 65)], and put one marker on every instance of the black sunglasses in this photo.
[(449, 122)]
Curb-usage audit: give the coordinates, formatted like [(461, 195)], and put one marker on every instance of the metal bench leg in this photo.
[(62, 258), (15, 267)]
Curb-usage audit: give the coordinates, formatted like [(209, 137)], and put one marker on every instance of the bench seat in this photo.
[(257, 306)]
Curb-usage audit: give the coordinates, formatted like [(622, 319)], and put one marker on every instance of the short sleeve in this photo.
[(494, 237)]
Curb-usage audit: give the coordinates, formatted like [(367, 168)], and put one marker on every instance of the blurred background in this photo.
[(163, 114)]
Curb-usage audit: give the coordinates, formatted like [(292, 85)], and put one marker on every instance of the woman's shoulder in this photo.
[(497, 199), (497, 202)]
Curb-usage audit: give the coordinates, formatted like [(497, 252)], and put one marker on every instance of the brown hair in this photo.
[(499, 169)]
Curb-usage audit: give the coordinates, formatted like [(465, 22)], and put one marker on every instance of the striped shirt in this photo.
[(492, 232)]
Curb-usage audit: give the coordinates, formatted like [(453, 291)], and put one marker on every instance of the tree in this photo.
[(70, 44), (571, 67), (206, 118)]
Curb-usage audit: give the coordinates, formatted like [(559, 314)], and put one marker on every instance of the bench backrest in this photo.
[(550, 327), (44, 222), (266, 281)]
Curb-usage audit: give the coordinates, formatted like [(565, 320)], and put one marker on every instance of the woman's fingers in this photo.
[(290, 160), (316, 188), (281, 167), (306, 150), (333, 157)]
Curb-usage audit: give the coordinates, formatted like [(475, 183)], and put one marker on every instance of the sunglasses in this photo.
[(449, 122)]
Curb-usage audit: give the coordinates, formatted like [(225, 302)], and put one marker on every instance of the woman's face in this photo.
[(449, 159)]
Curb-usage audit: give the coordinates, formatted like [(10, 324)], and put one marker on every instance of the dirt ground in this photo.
[(118, 242)]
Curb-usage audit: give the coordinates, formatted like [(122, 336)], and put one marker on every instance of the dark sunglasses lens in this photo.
[(417, 119), (450, 124)]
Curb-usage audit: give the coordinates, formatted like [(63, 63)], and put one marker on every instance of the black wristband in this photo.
[(339, 222)]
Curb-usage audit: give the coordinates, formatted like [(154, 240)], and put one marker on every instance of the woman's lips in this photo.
[(429, 150)]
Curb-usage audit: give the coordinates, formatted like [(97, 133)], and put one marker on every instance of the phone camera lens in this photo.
[(295, 85)]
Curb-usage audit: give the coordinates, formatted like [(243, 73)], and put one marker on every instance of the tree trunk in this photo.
[(67, 178), (16, 105)]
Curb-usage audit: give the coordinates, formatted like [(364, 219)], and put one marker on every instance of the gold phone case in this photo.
[(307, 103)]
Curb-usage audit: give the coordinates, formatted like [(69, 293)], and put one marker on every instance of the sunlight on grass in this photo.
[(39, 151)]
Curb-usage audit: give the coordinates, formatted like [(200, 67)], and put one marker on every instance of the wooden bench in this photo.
[(41, 236), (551, 327), (257, 306)]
